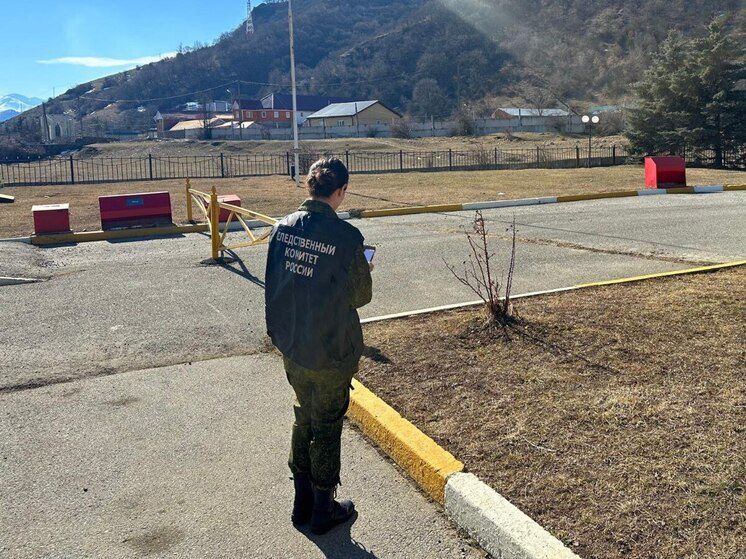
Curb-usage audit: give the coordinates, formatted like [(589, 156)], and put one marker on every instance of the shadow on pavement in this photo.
[(339, 544), (141, 239), (241, 270)]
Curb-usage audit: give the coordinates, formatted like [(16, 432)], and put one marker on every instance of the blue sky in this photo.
[(48, 45)]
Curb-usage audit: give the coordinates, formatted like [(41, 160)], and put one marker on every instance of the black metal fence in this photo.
[(76, 170)]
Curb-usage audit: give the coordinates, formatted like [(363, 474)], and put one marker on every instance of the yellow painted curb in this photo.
[(412, 210), (87, 236), (734, 187), (596, 196), (698, 270), (417, 454)]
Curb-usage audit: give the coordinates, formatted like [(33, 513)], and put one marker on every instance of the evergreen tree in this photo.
[(689, 97)]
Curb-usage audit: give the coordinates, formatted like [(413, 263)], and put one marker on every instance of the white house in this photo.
[(60, 128)]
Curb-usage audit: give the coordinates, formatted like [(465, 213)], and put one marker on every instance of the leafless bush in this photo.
[(401, 128), (484, 159), (557, 124), (481, 275), (464, 124), (611, 123)]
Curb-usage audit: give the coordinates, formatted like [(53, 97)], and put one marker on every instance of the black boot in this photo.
[(303, 504), (328, 513)]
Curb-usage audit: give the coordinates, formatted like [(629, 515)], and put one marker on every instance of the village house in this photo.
[(252, 110), (166, 120), (306, 104), (353, 114), (196, 128)]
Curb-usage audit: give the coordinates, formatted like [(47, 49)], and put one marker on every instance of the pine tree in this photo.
[(721, 65), (689, 98)]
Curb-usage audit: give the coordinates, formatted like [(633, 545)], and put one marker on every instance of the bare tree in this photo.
[(538, 98), (401, 128), (480, 273)]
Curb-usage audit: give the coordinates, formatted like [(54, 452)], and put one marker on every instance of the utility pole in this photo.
[(296, 147), (240, 113), (45, 123)]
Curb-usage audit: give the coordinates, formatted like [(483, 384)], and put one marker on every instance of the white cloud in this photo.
[(104, 62)]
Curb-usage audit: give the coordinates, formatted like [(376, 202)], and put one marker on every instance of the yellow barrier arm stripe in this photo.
[(664, 274)]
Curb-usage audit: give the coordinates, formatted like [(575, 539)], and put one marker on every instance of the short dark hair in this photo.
[(326, 176)]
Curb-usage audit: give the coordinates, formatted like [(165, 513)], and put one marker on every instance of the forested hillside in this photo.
[(421, 56)]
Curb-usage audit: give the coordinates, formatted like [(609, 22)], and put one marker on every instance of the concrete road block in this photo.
[(708, 189), (500, 527)]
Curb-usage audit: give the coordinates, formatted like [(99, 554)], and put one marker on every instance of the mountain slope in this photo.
[(455, 51)]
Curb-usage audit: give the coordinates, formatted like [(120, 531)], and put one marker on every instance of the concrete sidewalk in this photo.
[(189, 461)]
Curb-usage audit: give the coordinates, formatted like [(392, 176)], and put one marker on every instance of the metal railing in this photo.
[(210, 206), (72, 170)]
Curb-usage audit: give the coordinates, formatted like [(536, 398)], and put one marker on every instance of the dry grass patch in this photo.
[(615, 419), (277, 195), (458, 143)]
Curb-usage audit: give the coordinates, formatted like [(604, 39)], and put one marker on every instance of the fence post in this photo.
[(450, 159), (401, 160), (495, 157), (72, 170), (347, 159), (613, 154), (287, 160), (189, 200), (214, 217), (150, 165), (537, 157), (577, 156), (222, 166)]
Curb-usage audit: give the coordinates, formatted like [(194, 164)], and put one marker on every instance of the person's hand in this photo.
[(371, 266)]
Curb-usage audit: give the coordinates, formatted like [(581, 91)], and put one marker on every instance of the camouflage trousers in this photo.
[(322, 399)]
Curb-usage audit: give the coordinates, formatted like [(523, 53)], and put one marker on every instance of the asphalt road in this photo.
[(113, 307), (187, 462), (181, 454)]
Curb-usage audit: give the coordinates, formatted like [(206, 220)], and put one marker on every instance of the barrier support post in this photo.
[(214, 224), (189, 201)]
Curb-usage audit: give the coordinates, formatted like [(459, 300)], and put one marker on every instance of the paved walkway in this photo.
[(189, 461)]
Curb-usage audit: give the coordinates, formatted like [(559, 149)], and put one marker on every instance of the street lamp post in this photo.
[(590, 121), (296, 147)]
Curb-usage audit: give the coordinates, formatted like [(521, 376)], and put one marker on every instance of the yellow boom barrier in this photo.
[(210, 207)]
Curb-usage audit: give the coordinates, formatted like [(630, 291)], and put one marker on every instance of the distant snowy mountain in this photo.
[(14, 104)]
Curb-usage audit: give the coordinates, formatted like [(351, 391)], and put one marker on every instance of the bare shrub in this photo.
[(484, 159), (611, 124), (481, 275), (464, 124), (401, 128), (557, 124)]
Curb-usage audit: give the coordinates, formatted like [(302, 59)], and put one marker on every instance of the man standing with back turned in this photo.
[(317, 277)]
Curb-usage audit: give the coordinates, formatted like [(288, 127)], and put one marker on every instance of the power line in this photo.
[(305, 83), (191, 93)]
